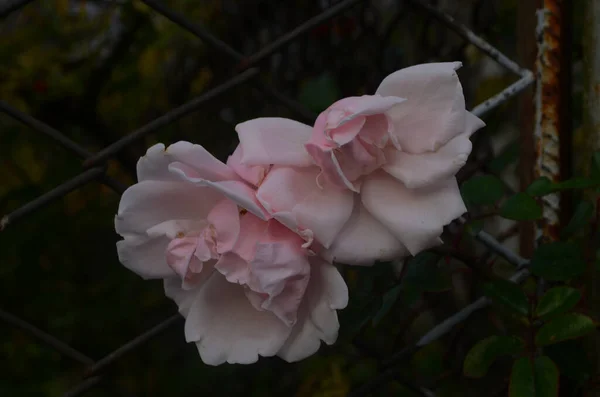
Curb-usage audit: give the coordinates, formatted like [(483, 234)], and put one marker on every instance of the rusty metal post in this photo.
[(552, 132)]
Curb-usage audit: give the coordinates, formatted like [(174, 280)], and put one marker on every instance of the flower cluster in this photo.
[(246, 249)]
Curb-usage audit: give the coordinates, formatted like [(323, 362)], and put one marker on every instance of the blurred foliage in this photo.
[(98, 69)]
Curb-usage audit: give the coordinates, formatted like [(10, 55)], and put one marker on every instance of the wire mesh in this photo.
[(245, 70)]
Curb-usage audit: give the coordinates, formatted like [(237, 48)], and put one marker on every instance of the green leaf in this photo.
[(521, 207), (486, 351), (546, 377), (429, 360), (572, 360), (567, 326), (581, 218), (319, 92), (389, 299), (558, 261), (482, 190), (507, 294), (522, 382), (424, 274), (556, 301), (540, 187), (543, 186)]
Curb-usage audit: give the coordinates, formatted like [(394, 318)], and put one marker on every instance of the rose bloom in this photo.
[(247, 285), (374, 179)]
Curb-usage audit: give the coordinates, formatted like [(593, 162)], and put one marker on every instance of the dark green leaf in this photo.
[(572, 360), (424, 274), (567, 326), (546, 377), (389, 299), (482, 190), (508, 156), (581, 218), (540, 187), (507, 294), (319, 92), (521, 207), (543, 186), (556, 301), (429, 360), (558, 261), (486, 351), (522, 382), (595, 167)]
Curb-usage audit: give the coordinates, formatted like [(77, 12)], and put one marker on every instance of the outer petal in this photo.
[(274, 140), (145, 256), (364, 240), (150, 203), (294, 190), (317, 319), (154, 165), (253, 174), (183, 298), (434, 111), (415, 216), (418, 170), (226, 328), (239, 192)]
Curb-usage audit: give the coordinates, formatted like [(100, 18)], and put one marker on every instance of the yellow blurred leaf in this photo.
[(201, 81), (148, 63), (25, 154)]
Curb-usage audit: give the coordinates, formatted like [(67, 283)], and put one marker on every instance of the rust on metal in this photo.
[(549, 131)]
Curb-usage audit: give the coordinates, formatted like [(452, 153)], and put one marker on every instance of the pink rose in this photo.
[(375, 178), (246, 284)]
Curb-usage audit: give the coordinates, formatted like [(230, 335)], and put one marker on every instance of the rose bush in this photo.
[(374, 179), (247, 285)]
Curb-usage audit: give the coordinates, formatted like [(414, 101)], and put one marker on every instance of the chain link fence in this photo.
[(248, 71)]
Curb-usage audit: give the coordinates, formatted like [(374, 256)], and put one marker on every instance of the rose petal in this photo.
[(225, 218), (294, 190), (145, 257), (274, 140), (239, 192), (317, 319), (154, 165), (150, 203), (280, 269), (415, 216), (226, 328), (364, 240), (253, 174), (434, 111)]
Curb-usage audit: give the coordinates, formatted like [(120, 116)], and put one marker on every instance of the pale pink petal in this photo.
[(239, 192), (294, 190), (330, 166), (280, 269), (418, 170), (225, 218), (317, 318), (183, 298), (434, 111), (415, 216), (274, 140), (364, 240), (253, 174), (227, 328), (154, 164), (234, 265), (145, 256), (150, 203)]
